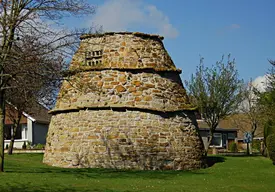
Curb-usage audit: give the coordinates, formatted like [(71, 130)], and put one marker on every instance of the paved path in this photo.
[(27, 151)]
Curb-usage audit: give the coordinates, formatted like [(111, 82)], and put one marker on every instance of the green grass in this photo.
[(26, 173)]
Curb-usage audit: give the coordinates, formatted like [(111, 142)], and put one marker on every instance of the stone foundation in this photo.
[(124, 139)]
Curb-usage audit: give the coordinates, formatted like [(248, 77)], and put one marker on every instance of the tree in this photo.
[(266, 100), (14, 114), (250, 117), (249, 107), (249, 114), (266, 103), (216, 91), (36, 82), (28, 19)]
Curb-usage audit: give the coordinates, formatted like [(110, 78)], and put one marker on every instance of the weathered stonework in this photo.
[(123, 139), (123, 106), (123, 51), (113, 88)]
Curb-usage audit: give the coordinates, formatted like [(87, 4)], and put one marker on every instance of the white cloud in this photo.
[(228, 28), (234, 26), (122, 15), (260, 83)]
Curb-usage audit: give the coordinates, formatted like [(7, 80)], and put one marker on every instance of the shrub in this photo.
[(29, 145), (233, 147), (256, 145), (269, 128), (39, 146), (270, 143)]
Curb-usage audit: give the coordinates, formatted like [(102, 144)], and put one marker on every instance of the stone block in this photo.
[(136, 83)]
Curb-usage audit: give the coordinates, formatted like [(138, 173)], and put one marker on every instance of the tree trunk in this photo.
[(2, 122), (10, 149), (247, 149), (14, 129), (208, 143), (253, 130)]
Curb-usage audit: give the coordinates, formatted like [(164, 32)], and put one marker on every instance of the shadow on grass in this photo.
[(212, 160), (94, 173), (29, 187), (241, 155), (31, 164)]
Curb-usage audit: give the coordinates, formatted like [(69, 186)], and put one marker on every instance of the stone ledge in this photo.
[(146, 35), (140, 69), (119, 107)]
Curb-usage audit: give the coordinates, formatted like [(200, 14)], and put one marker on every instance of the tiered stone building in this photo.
[(123, 106)]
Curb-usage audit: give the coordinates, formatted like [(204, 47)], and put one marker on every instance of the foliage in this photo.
[(271, 76), (266, 100), (39, 146), (270, 143), (269, 128), (233, 147), (216, 91), (256, 145), (249, 109), (233, 174), (29, 145), (266, 104)]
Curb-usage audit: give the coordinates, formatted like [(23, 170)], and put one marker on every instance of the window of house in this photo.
[(231, 136), (18, 134), (24, 131), (8, 132), (217, 140)]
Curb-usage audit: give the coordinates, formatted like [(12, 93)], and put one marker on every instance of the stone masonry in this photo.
[(123, 106)]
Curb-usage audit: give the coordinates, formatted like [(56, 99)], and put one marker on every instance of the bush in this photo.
[(39, 146), (270, 143), (233, 147), (269, 128), (256, 145), (29, 145)]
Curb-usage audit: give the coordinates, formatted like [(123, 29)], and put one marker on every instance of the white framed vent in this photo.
[(93, 58)]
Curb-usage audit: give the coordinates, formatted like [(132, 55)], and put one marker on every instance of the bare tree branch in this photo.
[(32, 52)]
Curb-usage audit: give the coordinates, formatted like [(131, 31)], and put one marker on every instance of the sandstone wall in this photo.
[(124, 139), (122, 51), (123, 106), (113, 88)]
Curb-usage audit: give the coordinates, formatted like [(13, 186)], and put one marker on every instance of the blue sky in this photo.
[(210, 28)]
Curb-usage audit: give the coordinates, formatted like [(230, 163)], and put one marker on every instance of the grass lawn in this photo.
[(26, 173)]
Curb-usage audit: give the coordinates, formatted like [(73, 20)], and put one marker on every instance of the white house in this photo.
[(33, 127), (223, 136)]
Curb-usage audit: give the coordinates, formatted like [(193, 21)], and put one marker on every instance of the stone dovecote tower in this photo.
[(123, 106)]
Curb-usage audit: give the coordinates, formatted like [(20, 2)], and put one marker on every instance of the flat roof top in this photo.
[(86, 36)]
